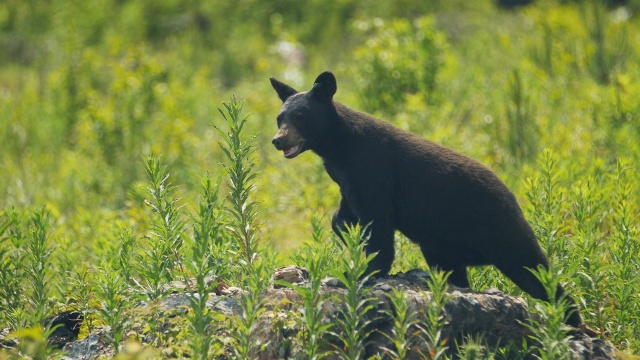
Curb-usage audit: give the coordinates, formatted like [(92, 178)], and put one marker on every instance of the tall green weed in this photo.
[(353, 323), (38, 260), (551, 335), (12, 273), (239, 149), (202, 269)]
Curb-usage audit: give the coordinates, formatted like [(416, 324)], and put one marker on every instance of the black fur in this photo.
[(456, 209)]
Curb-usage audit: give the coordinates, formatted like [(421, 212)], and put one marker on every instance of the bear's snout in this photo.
[(278, 141), (288, 141)]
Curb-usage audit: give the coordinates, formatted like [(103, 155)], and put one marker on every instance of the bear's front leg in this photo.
[(379, 234), (381, 242), (342, 218), (357, 205)]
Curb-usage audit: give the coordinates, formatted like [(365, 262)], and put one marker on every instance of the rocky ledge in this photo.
[(493, 317)]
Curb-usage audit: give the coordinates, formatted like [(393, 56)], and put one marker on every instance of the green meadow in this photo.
[(135, 147)]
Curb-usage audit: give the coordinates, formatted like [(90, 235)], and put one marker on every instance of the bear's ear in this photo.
[(283, 90), (325, 86)]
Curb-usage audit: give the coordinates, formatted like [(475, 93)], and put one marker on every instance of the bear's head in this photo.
[(304, 119)]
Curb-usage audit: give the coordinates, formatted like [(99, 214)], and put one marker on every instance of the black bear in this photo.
[(456, 209)]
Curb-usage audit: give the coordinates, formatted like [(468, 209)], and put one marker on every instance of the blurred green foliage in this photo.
[(89, 88), (399, 59)]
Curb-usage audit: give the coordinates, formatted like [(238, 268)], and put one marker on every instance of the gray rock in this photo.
[(495, 317), (291, 274), (91, 347)]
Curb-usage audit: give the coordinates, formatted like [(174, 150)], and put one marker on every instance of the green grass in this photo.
[(545, 95)]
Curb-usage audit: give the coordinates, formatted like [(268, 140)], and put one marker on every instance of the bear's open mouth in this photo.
[(293, 151)]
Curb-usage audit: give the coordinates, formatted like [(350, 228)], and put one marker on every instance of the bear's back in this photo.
[(436, 191)]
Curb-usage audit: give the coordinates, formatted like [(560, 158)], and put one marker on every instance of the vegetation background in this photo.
[(545, 94)]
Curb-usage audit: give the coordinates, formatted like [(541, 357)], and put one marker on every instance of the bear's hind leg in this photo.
[(526, 281)]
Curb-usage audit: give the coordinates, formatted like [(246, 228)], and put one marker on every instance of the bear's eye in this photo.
[(298, 119)]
